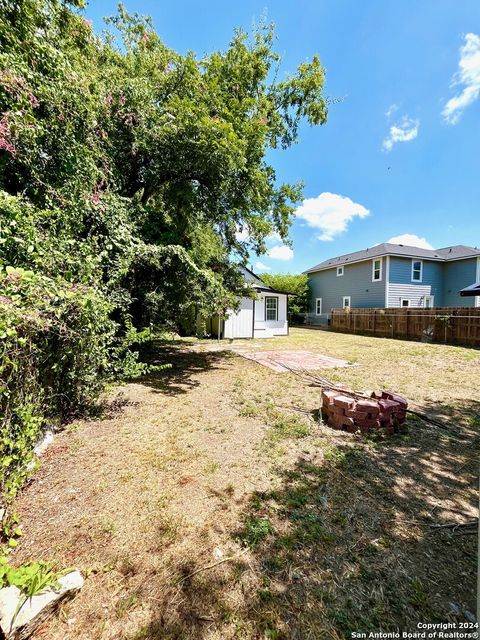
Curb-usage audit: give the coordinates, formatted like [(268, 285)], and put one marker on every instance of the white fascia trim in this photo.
[(387, 281), (477, 279)]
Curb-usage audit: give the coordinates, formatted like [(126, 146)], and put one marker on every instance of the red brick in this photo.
[(344, 401), (396, 398), (370, 406), (366, 423), (338, 411), (336, 421), (387, 406), (328, 396), (353, 413), (372, 424)]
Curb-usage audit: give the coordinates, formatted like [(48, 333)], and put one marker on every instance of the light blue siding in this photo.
[(402, 287), (459, 274), (356, 282), (442, 280)]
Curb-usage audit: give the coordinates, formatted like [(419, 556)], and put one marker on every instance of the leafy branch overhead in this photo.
[(183, 138)]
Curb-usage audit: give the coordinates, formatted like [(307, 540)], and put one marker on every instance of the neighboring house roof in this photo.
[(444, 254), (472, 290)]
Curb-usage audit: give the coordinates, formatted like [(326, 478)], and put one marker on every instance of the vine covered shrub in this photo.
[(55, 343)]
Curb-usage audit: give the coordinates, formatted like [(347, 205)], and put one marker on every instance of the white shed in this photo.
[(262, 318)]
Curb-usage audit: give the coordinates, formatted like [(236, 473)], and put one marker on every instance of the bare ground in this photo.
[(221, 460)]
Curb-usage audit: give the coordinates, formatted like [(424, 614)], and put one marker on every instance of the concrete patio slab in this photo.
[(284, 361)]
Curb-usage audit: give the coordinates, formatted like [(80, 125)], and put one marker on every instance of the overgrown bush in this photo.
[(55, 354)]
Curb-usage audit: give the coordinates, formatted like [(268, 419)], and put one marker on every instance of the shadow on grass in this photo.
[(345, 545), (186, 365)]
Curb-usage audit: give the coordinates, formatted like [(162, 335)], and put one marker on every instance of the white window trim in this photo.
[(349, 298), (405, 306), (421, 270), (316, 306), (276, 308), (340, 271), (379, 279), (432, 298)]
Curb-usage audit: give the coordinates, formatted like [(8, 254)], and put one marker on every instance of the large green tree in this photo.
[(127, 172), (294, 284), (126, 145)]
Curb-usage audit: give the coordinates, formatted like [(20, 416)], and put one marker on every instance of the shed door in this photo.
[(240, 324)]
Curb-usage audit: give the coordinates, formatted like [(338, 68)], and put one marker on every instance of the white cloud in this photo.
[(411, 240), (391, 110), (242, 235), (468, 75), (280, 252), (259, 266), (331, 213), (273, 237), (403, 131)]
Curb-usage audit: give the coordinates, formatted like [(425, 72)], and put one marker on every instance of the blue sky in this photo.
[(400, 153)]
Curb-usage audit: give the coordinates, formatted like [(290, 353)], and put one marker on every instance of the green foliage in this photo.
[(55, 338), (126, 172), (31, 579), (294, 284), (255, 530)]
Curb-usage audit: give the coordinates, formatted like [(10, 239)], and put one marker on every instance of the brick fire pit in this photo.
[(383, 412)]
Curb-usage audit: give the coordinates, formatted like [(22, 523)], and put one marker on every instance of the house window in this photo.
[(417, 270), (346, 302), (339, 271), (318, 306), (429, 302), (376, 270), (271, 308), (404, 302)]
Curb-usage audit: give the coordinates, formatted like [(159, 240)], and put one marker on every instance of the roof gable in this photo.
[(252, 278)]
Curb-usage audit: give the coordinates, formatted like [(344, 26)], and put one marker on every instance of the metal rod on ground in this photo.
[(323, 383)]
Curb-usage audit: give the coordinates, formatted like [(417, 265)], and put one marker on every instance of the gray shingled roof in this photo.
[(387, 249)]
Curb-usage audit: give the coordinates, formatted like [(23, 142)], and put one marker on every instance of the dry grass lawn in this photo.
[(220, 461)]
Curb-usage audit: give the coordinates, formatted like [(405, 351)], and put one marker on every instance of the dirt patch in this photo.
[(217, 455)]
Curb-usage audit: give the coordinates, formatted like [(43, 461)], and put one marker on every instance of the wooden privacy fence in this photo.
[(459, 325)]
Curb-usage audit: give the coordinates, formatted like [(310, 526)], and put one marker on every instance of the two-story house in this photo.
[(393, 275)]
